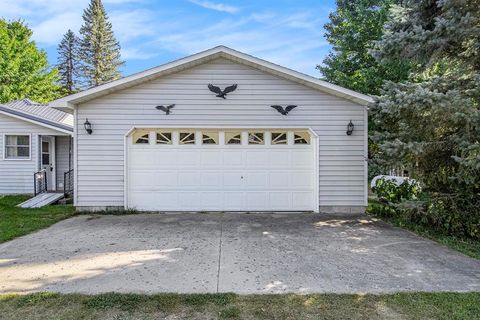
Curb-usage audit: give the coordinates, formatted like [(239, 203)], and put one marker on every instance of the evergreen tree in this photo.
[(24, 70), (351, 31), (432, 121), (99, 50), (68, 62)]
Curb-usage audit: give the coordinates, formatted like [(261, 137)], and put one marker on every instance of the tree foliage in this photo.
[(431, 123), (68, 62), (351, 31), (99, 50), (24, 70)]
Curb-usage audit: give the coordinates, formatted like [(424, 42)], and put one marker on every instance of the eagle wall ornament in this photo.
[(165, 109), (222, 93), (282, 110)]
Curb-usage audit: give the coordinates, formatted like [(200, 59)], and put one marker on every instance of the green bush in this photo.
[(388, 191), (455, 215)]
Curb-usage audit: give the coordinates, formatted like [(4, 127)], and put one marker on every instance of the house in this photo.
[(34, 139), (210, 151)]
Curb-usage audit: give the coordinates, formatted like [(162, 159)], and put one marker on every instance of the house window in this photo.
[(233, 138), (17, 147), (255, 138), (279, 138), (210, 137), (187, 137), (164, 138), (301, 138)]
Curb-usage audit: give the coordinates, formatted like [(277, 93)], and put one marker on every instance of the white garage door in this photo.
[(221, 170)]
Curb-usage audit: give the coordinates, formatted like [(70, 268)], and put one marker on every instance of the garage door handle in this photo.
[(241, 177)]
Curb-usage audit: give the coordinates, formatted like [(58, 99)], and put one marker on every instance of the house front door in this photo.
[(48, 161)]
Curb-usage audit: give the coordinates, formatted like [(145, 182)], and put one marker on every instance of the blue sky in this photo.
[(152, 32)]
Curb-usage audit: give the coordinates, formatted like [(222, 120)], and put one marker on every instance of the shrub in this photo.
[(455, 215), (388, 191)]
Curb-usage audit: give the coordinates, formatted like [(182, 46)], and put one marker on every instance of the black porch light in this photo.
[(88, 126), (350, 127)]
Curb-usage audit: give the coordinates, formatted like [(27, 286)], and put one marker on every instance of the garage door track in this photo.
[(243, 253)]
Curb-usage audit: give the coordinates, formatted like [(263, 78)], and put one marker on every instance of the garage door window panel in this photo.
[(256, 138), (209, 137), (301, 138), (187, 137), (163, 137), (279, 138), (233, 138), (141, 137)]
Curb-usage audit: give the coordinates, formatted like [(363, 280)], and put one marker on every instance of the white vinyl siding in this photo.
[(100, 156), (16, 176)]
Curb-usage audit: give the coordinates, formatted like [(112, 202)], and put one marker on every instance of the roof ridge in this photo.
[(26, 101), (34, 103)]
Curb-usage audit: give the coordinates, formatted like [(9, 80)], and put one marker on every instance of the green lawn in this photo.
[(15, 222), (468, 247), (231, 306)]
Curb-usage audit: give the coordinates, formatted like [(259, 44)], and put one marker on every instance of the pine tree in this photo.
[(68, 63), (431, 122), (99, 50), (352, 30)]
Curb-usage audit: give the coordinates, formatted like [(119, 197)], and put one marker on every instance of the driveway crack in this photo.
[(220, 251)]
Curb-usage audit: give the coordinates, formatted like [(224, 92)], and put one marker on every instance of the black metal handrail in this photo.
[(68, 183), (39, 182)]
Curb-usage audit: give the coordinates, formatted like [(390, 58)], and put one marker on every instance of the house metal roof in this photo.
[(39, 113)]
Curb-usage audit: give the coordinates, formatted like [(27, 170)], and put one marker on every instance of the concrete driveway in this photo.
[(243, 253)]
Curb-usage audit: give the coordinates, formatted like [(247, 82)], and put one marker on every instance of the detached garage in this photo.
[(220, 131)]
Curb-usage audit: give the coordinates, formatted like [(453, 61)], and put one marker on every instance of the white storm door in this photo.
[(47, 160)]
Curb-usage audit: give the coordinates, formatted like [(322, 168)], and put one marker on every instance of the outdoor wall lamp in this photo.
[(350, 128), (88, 126)]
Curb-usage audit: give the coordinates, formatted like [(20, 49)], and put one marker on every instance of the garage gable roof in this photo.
[(67, 103)]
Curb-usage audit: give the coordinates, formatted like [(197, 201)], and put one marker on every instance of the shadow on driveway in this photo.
[(231, 252)]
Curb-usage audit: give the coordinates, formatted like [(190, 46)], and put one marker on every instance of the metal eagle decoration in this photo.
[(282, 110), (165, 109), (222, 93)]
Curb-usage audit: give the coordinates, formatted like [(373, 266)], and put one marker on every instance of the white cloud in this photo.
[(12, 9), (132, 24), (41, 8), (50, 31), (262, 35), (136, 54), (215, 6), (290, 37)]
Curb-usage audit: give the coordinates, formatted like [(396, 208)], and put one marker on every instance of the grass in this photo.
[(16, 222), (468, 247), (232, 306)]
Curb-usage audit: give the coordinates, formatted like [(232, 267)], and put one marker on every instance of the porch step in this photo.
[(41, 200)]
